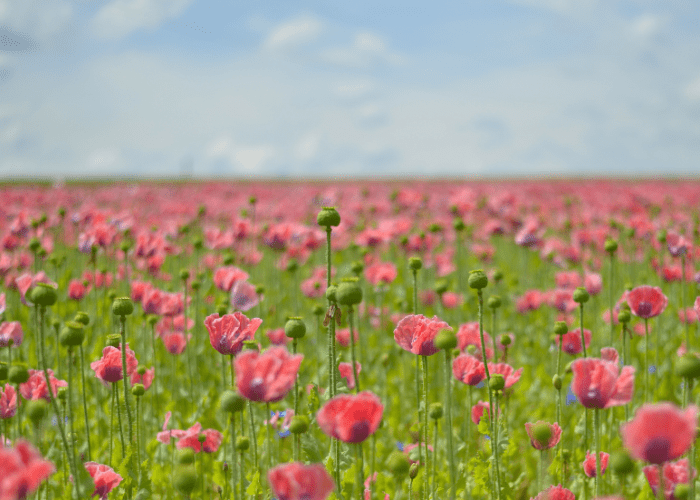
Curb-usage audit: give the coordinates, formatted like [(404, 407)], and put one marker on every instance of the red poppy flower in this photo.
[(190, 439), (146, 379), (297, 481), (109, 367), (175, 342), (468, 370), (11, 330), (77, 290), (8, 402), (468, 334), (346, 372), (228, 332), (139, 289), (381, 272), (22, 469), (35, 387), (278, 337), (351, 418), (266, 377), (342, 337), (243, 296), (572, 341), (589, 464), (555, 493), (554, 435), (530, 301), (450, 300), (674, 473), (598, 383), (226, 277), (510, 375), (562, 300), (647, 301), (416, 333), (478, 411), (659, 433), (677, 244), (104, 477)]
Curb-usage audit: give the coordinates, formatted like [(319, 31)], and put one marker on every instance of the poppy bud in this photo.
[(55, 323), (505, 340), (478, 279), (18, 373), (561, 328), (581, 295), (196, 285), (331, 292), (184, 480), (152, 319), (122, 306), (566, 454), (435, 411), (494, 302), (72, 334), (661, 236), (688, 366), (62, 394), (295, 328), (114, 340), (398, 464), (292, 265), (497, 382), (138, 390), (228, 260), (111, 295), (232, 402), (497, 275), (440, 287), (542, 433), (415, 263), (125, 246), (357, 268), (621, 463), (3, 371), (184, 274), (567, 368), (349, 293), (624, 316), (141, 370), (299, 424), (242, 443), (43, 295), (82, 317), (198, 243), (34, 244), (610, 246), (37, 409), (445, 339), (458, 225), (556, 382), (327, 217), (201, 438), (318, 310), (413, 471), (680, 492)]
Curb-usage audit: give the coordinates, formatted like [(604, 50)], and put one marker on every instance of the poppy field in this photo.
[(352, 340)]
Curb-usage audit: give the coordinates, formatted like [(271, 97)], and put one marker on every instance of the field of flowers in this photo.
[(350, 340)]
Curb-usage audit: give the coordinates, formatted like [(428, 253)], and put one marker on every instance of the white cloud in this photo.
[(43, 21), (692, 90), (294, 33), (354, 90), (308, 147), (366, 50), (242, 159), (122, 17)]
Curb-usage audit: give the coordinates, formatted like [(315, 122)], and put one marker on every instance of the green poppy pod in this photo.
[(327, 217), (122, 306), (478, 279), (72, 334), (349, 293), (295, 328), (232, 402), (43, 295)]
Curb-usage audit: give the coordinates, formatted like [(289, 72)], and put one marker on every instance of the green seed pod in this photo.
[(357, 267), (661, 236), (34, 244), (440, 287), (184, 274), (497, 275), (542, 433), (196, 285), (222, 309), (259, 290), (4, 371), (413, 471), (566, 454), (435, 411), (561, 328), (185, 456), (458, 225), (681, 491), (122, 306), (478, 279), (125, 246), (62, 394), (556, 382), (197, 242), (37, 409), (567, 368), (114, 340), (581, 295), (497, 382), (327, 217), (610, 246), (349, 293), (141, 370), (138, 390), (415, 263), (505, 340), (18, 373), (398, 464), (299, 424), (318, 310), (152, 319), (43, 295), (72, 334), (295, 328), (624, 316), (331, 293), (185, 479), (111, 295), (229, 260), (292, 265), (494, 302), (621, 463), (82, 317), (688, 366), (242, 443), (231, 402), (445, 339)]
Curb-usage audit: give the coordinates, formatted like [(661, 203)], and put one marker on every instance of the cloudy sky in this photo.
[(341, 88)]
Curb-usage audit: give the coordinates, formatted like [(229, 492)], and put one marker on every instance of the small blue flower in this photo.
[(570, 397), (480, 384), (652, 369), (284, 433), (399, 445)]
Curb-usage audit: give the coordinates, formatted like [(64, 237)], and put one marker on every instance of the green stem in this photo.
[(85, 412), (138, 435), (358, 469), (646, 360), (295, 449), (583, 338), (125, 380), (352, 350), (111, 429), (494, 444), (119, 419), (70, 404), (435, 451), (253, 436), (596, 424), (685, 312), (480, 296), (424, 363), (448, 430), (234, 460), (610, 295)]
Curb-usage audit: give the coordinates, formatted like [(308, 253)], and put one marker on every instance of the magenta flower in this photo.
[(266, 377), (228, 332), (416, 333)]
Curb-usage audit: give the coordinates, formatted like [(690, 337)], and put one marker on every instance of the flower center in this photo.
[(644, 309), (657, 450)]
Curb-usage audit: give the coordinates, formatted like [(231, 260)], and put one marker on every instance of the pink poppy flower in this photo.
[(351, 418), (571, 341), (688, 316), (468, 334), (296, 481), (22, 469), (35, 387), (77, 290), (190, 439), (11, 330), (478, 411), (530, 301), (104, 477), (175, 342), (510, 375), (647, 301), (589, 464), (677, 245), (266, 377), (165, 435), (278, 337), (228, 332), (554, 435), (450, 300), (696, 306), (139, 289), (674, 473), (109, 367), (346, 372), (411, 451), (3, 303), (342, 337), (226, 277), (600, 384), (416, 333), (243, 296), (381, 272), (146, 379), (659, 433), (468, 370), (593, 283), (555, 493), (8, 402)]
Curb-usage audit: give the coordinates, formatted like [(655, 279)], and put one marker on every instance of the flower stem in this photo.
[(480, 296), (269, 438), (685, 312), (70, 404), (448, 426), (84, 392), (610, 295), (253, 435), (234, 459), (424, 363), (596, 425), (646, 360), (583, 338), (125, 380), (352, 352)]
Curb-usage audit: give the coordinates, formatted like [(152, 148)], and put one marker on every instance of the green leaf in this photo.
[(484, 427), (254, 485), (310, 447)]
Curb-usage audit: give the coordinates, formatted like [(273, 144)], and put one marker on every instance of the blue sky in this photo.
[(337, 88)]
